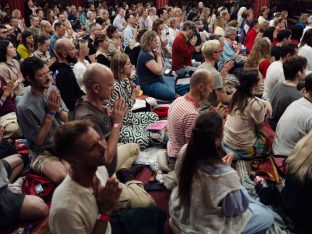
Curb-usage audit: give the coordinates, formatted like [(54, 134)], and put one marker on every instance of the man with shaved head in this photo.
[(184, 111), (63, 75), (99, 82)]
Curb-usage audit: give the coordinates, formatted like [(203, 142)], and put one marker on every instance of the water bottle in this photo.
[(159, 175), (243, 50)]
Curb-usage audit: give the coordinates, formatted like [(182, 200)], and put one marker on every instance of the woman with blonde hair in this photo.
[(260, 56), (80, 67), (134, 124), (150, 70), (45, 28), (296, 196)]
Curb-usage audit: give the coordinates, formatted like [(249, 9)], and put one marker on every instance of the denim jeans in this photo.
[(163, 90)]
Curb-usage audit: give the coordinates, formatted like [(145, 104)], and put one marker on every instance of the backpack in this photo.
[(37, 185)]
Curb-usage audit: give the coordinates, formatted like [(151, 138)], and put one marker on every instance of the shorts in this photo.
[(10, 203), (41, 160)]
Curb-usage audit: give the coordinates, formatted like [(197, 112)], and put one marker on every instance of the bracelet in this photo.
[(50, 117), (103, 217), (53, 113), (116, 125)]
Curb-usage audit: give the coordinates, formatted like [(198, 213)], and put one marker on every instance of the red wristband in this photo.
[(103, 217)]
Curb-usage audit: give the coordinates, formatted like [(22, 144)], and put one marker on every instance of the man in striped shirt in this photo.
[(184, 111)]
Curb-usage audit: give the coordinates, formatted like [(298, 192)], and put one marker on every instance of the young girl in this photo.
[(209, 197)]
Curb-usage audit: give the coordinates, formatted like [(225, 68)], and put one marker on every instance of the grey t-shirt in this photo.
[(282, 96), (31, 112), (217, 83)]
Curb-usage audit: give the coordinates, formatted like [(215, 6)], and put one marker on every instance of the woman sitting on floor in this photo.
[(134, 124), (246, 113), (209, 197), (150, 70)]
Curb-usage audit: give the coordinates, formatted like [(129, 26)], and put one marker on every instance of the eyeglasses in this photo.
[(219, 51), (46, 75)]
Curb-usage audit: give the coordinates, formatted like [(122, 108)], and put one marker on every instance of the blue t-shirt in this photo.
[(144, 75)]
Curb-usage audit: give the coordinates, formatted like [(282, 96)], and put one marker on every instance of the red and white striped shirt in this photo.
[(181, 119)]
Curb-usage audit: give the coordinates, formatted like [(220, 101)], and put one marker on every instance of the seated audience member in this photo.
[(305, 48), (101, 44), (275, 72), (246, 113), (45, 28), (59, 32), (134, 125), (42, 51), (128, 33), (260, 56), (283, 36), (114, 41), (295, 200), (8, 119), (15, 207), (39, 112), (231, 49), (286, 92), (34, 25), (150, 70), (184, 111), (63, 75), (211, 51), (183, 48), (95, 31), (209, 197), (295, 123), (82, 64), (135, 51), (252, 34), (10, 68), (99, 83), (86, 199), (25, 49)]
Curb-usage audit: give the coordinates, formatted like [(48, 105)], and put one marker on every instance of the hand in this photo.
[(135, 92), (107, 196), (227, 159), (119, 110), (203, 36), (223, 110), (7, 90), (20, 78), (227, 66), (54, 101), (158, 52), (193, 41), (51, 61)]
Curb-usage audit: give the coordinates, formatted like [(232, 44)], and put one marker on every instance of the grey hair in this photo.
[(229, 31), (188, 25)]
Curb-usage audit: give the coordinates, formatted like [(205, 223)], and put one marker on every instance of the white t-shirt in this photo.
[(74, 208), (274, 75), (295, 123), (306, 51)]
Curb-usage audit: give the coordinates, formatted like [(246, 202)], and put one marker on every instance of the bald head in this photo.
[(201, 76), (99, 82), (62, 45)]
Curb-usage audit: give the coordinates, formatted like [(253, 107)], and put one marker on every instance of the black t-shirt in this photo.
[(275, 51)]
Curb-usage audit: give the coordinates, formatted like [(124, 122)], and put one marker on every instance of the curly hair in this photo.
[(261, 50), (147, 39)]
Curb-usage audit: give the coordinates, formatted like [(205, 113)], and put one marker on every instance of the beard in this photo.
[(70, 59)]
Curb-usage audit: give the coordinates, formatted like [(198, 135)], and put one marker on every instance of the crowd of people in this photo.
[(70, 77)]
